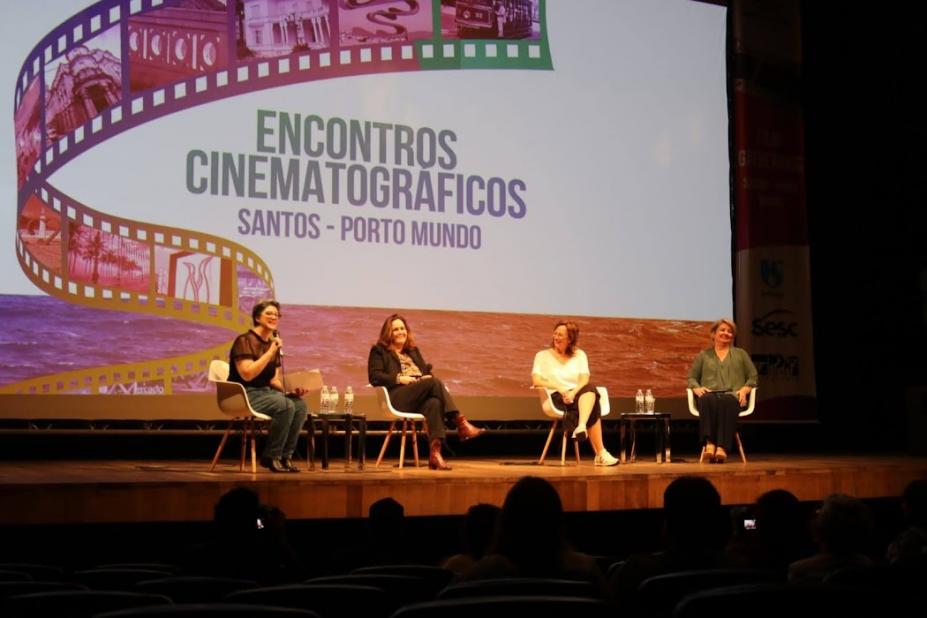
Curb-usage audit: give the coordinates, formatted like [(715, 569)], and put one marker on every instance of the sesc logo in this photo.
[(771, 273), (776, 323)]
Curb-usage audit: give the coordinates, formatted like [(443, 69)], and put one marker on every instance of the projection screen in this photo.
[(483, 168)]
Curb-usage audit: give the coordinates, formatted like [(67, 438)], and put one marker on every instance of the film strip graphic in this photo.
[(122, 63), (90, 258)]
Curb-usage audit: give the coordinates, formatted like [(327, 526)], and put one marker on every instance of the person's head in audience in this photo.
[(386, 516), (479, 527), (530, 530), (781, 533), (780, 514), (909, 548), (914, 503), (386, 523), (249, 541), (777, 510), (843, 525), (237, 511), (692, 515), (478, 530)]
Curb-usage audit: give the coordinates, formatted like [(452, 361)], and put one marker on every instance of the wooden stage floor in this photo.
[(69, 492)]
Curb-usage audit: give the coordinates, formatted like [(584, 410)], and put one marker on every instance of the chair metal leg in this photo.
[(550, 436), (253, 450), (389, 434), (576, 450), (414, 443), (740, 446), (623, 440), (408, 427), (310, 444), (348, 427), (667, 455), (225, 438), (244, 446), (563, 443), (633, 431), (660, 439), (402, 445), (325, 431), (361, 442)]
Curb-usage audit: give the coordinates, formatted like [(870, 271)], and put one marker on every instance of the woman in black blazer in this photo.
[(396, 363)]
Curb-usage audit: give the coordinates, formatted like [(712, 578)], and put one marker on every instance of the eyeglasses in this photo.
[(271, 314)]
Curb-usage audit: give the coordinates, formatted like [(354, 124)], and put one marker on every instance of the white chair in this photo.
[(233, 402), (556, 416), (408, 420), (751, 403)]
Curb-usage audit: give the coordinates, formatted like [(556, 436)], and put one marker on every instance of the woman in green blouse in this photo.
[(721, 378)]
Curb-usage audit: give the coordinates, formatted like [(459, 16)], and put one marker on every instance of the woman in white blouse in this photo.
[(564, 368)]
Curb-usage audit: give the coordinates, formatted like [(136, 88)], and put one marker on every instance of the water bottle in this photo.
[(639, 401), (348, 400), (649, 401), (324, 401), (333, 399)]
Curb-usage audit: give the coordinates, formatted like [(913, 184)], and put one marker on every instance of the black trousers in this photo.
[(717, 418), (429, 398), (571, 411)]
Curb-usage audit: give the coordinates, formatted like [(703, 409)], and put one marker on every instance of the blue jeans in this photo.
[(287, 417)]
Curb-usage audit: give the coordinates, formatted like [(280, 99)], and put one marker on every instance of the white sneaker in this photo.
[(605, 459)]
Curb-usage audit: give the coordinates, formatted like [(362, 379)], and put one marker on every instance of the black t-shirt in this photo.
[(250, 345)]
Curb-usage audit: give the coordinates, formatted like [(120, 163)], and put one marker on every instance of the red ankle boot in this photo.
[(435, 461), (466, 430)]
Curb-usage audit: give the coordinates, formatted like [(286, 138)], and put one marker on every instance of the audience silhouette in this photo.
[(780, 535), (530, 539), (478, 529), (695, 529), (385, 541), (842, 529), (526, 538), (909, 549), (248, 541)]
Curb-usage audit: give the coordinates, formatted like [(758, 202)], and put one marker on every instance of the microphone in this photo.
[(280, 349)]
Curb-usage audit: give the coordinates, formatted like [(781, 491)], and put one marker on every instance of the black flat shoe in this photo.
[(274, 465), (288, 464)]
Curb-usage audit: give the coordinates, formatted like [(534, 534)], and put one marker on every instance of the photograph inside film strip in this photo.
[(483, 167)]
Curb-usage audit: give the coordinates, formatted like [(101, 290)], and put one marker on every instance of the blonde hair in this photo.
[(717, 324)]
